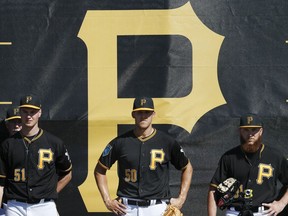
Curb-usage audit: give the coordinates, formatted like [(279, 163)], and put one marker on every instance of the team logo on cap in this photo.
[(249, 119), (143, 101), (28, 99), (15, 111)]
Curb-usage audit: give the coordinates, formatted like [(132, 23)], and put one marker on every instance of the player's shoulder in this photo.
[(51, 137), (165, 137), (122, 137), (15, 136), (271, 150), (11, 141), (164, 134), (125, 135), (236, 150), (4, 134)]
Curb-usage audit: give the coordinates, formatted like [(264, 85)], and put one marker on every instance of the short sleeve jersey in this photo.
[(29, 170), (260, 175), (143, 164)]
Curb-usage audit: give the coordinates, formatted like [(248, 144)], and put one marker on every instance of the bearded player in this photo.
[(257, 167)]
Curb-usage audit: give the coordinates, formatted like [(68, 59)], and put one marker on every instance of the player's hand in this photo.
[(177, 202), (116, 206), (274, 208)]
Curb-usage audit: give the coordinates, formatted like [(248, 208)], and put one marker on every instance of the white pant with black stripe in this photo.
[(152, 210)]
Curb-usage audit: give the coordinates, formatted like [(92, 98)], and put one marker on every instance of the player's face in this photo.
[(13, 126), (143, 119), (251, 139), (29, 116)]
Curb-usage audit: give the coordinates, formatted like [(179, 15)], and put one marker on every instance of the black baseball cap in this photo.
[(30, 101), (12, 113), (143, 103), (250, 121)]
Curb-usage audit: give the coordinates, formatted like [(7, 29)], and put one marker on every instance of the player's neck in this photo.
[(30, 131), (143, 133)]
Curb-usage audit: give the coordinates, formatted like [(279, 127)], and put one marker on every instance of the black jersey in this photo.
[(29, 169), (143, 164), (259, 175)]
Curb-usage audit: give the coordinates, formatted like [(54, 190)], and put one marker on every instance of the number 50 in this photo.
[(131, 175)]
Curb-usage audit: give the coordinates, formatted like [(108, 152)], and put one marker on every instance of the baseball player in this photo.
[(13, 120), (34, 165), (143, 155), (13, 125), (257, 167)]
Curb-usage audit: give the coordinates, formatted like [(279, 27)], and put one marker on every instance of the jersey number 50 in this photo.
[(130, 175)]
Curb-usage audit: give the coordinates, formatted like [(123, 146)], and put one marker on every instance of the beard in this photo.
[(251, 145)]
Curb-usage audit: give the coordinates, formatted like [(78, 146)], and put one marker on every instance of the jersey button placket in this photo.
[(250, 176), (142, 168)]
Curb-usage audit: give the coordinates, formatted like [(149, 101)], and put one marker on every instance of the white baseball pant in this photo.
[(15, 208)]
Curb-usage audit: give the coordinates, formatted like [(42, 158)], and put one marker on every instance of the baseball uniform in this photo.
[(258, 173), (31, 176), (143, 168)]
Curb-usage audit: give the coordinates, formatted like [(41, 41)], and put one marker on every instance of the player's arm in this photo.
[(186, 178), (63, 181), (1, 195), (102, 183), (277, 206), (2, 171), (211, 202)]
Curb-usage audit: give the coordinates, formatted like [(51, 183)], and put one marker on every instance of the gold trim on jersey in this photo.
[(70, 168), (148, 137), (259, 154), (214, 185), (102, 165), (34, 138), (186, 165), (262, 149)]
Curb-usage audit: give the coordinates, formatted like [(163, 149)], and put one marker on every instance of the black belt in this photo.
[(35, 201), (254, 209), (143, 203)]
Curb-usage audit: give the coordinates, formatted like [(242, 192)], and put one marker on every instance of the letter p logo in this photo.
[(157, 156), (45, 155)]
